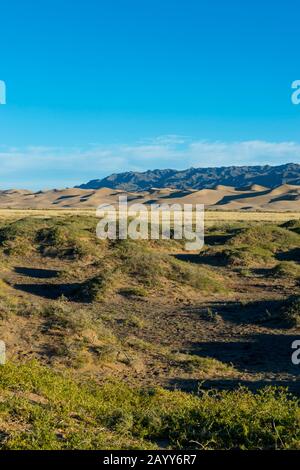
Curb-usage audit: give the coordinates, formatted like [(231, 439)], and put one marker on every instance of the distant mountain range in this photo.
[(200, 178)]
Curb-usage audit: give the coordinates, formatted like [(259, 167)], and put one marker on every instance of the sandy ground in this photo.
[(281, 199)]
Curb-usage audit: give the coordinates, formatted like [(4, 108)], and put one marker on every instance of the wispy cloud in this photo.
[(39, 167)]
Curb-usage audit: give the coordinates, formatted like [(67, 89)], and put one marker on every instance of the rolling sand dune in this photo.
[(283, 198), (257, 187)]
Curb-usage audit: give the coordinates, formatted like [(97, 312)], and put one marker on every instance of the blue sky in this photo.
[(96, 86)]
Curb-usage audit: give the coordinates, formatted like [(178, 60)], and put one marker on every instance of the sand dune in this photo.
[(257, 187), (283, 198)]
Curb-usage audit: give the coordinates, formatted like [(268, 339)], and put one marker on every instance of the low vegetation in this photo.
[(291, 312), (44, 410), (255, 245), (287, 313), (142, 345), (293, 225), (287, 269)]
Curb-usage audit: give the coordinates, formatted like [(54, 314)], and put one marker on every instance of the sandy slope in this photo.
[(283, 198)]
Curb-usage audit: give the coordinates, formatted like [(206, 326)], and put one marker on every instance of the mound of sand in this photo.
[(221, 187), (283, 198), (258, 187)]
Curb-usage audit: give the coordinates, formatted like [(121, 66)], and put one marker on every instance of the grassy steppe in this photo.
[(140, 344)]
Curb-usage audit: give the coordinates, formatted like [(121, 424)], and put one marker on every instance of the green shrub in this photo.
[(134, 291), (41, 409), (287, 269), (18, 237), (134, 321), (293, 225), (193, 275), (150, 267), (291, 312), (94, 289), (267, 237), (253, 246), (193, 363), (69, 238), (287, 313), (61, 314), (140, 262)]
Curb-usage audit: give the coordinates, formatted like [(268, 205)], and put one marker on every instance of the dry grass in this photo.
[(213, 217), (210, 216)]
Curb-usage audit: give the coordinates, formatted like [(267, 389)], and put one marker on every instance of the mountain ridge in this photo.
[(200, 178)]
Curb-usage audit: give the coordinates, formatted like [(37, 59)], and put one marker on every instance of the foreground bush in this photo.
[(255, 246), (44, 410), (287, 269), (63, 237), (286, 313), (291, 312)]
